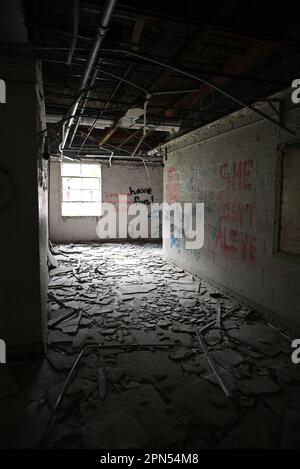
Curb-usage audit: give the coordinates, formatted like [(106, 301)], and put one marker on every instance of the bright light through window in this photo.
[(81, 190)]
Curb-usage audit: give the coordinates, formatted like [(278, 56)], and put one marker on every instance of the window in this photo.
[(287, 223), (81, 190)]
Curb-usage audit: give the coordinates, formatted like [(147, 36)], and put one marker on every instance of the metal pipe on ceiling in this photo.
[(102, 26), (75, 30), (84, 104), (162, 93), (149, 160)]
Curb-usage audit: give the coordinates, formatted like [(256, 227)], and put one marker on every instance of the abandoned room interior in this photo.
[(150, 225)]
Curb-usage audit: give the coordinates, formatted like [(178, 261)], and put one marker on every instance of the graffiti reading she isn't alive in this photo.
[(241, 214), (236, 243), (236, 175), (235, 237), (173, 188)]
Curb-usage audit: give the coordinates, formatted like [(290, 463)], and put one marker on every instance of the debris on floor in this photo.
[(150, 382)]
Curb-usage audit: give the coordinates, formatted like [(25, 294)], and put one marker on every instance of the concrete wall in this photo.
[(23, 208), (230, 165), (116, 180)]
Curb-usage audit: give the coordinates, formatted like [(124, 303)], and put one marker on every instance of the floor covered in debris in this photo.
[(173, 362)]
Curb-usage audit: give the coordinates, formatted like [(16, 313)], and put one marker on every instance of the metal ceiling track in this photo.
[(204, 82)]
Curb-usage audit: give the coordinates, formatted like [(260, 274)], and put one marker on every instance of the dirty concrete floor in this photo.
[(149, 384)]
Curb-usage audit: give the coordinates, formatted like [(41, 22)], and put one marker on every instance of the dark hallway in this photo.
[(150, 227)]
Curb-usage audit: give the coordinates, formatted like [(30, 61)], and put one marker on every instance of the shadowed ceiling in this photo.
[(248, 49)]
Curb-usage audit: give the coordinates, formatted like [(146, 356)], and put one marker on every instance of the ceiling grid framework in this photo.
[(249, 65)]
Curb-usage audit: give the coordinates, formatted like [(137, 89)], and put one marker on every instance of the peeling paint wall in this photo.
[(230, 165), (120, 179)]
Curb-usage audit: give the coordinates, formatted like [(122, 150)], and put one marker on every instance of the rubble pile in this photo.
[(177, 364)]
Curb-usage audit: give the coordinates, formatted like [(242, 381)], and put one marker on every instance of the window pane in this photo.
[(81, 194), (71, 183), (90, 196), (90, 170), (90, 184), (91, 209), (72, 196), (70, 169), (70, 209)]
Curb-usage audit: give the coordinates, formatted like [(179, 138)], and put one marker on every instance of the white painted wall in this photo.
[(230, 166), (116, 180)]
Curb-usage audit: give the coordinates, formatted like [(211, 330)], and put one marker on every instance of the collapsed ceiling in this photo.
[(129, 102)]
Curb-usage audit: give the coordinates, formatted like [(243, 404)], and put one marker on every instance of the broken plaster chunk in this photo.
[(180, 354), (117, 314), (227, 358), (214, 337), (98, 310), (185, 328), (106, 301), (59, 315), (69, 329), (87, 337), (126, 298), (85, 322), (188, 303), (59, 361), (73, 320), (109, 331), (74, 304), (163, 323), (217, 295), (260, 338), (137, 289), (57, 337)]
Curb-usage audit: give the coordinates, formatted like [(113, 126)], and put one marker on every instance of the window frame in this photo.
[(277, 252), (68, 217)]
